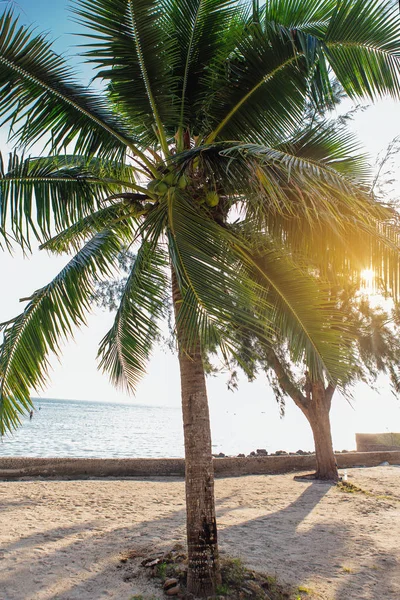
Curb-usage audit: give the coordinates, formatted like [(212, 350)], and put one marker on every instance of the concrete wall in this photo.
[(78, 468), (376, 442)]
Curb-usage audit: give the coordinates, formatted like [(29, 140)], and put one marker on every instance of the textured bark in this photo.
[(315, 405), (317, 412), (203, 561)]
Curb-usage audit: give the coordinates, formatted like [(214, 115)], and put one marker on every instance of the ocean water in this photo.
[(77, 428), (72, 428), (240, 423)]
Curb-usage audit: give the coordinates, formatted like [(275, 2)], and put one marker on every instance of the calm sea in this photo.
[(72, 428)]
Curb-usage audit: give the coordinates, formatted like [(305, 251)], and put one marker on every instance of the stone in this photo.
[(262, 452), (174, 591), (384, 464), (170, 583), (150, 562), (253, 587)]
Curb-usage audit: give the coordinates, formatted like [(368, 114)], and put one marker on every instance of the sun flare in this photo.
[(367, 278)]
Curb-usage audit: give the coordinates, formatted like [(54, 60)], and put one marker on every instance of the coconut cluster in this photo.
[(171, 179)]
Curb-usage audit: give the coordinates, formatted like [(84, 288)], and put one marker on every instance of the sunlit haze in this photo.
[(253, 406)]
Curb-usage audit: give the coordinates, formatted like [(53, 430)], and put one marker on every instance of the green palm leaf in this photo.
[(125, 350), (300, 316), (311, 177), (330, 144), (199, 27), (56, 194), (119, 218), (310, 16), (226, 286), (41, 100), (264, 71), (359, 40), (363, 47), (303, 194), (137, 57), (49, 318), (207, 267), (60, 191)]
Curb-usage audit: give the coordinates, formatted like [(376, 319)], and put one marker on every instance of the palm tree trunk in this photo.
[(203, 561), (317, 414)]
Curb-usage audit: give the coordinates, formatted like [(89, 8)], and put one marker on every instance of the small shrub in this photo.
[(350, 488), (233, 571), (347, 570), (304, 590), (161, 570), (222, 589)]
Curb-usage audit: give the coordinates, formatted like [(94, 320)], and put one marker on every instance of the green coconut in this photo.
[(212, 199), (169, 179), (152, 184), (182, 182), (161, 188)]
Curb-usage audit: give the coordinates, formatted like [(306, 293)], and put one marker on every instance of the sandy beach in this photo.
[(63, 540)]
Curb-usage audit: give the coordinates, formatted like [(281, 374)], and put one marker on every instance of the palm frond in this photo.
[(265, 70), (228, 284), (311, 177), (121, 218), (200, 27), (41, 100), (363, 47), (40, 195), (48, 319), (306, 194), (136, 55), (330, 144), (47, 194), (208, 269), (304, 313), (274, 66), (126, 349), (310, 16)]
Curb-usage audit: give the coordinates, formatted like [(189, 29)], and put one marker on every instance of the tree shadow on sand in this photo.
[(287, 544), (282, 542)]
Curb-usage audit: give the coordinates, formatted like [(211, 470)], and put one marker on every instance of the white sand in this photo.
[(63, 540)]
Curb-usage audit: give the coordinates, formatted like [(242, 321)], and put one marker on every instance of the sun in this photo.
[(367, 277)]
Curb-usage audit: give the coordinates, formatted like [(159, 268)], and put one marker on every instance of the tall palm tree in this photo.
[(184, 157)]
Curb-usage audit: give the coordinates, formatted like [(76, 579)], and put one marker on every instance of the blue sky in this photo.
[(76, 376), (48, 15), (55, 18)]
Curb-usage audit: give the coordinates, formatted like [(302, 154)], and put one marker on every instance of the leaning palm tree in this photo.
[(183, 159)]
